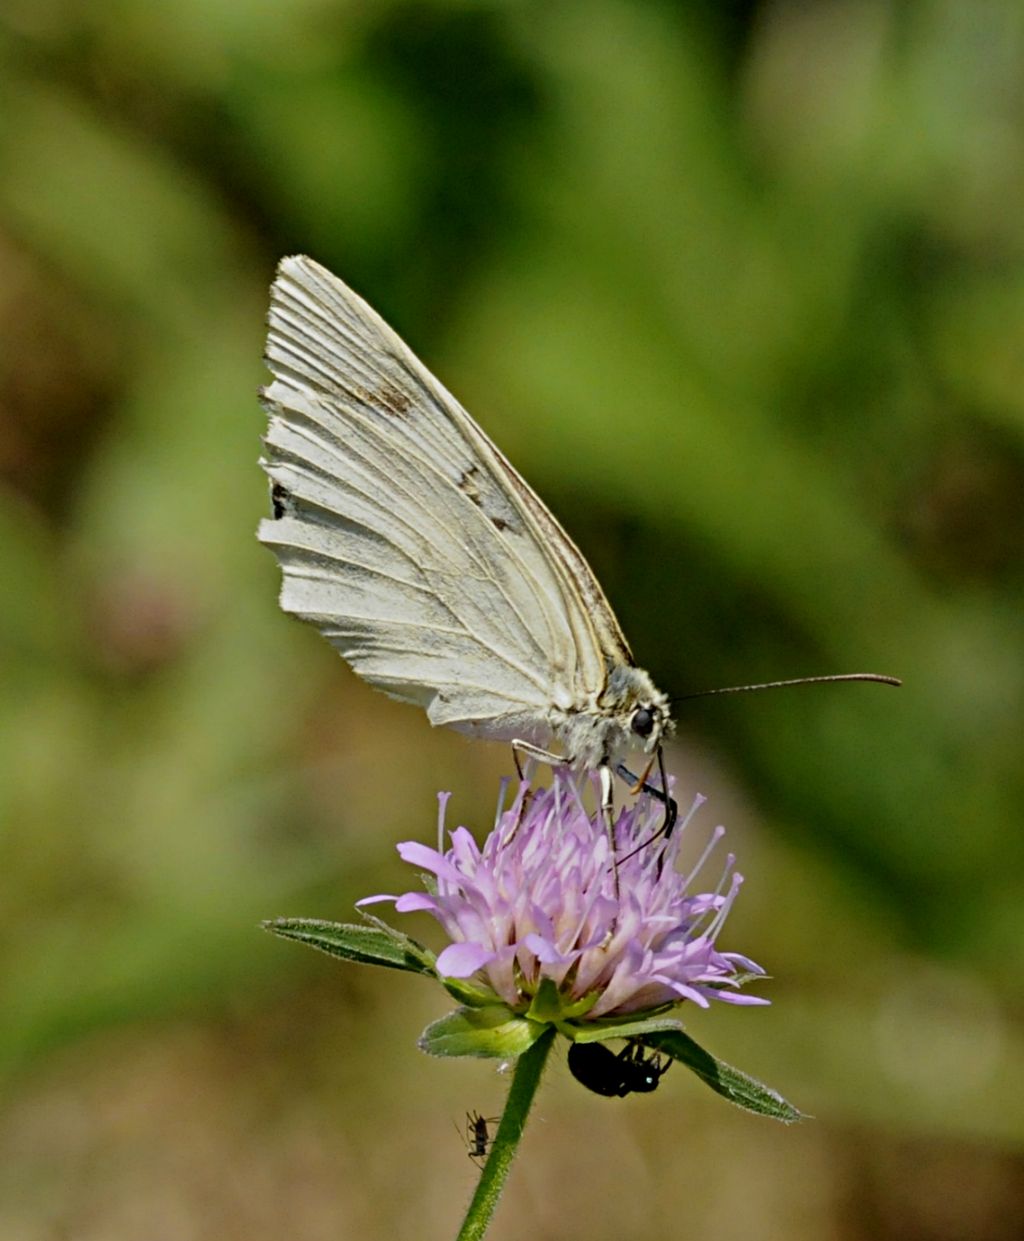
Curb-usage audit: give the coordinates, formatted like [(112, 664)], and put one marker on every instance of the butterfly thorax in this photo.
[(628, 714)]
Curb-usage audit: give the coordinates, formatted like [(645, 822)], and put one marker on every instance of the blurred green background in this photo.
[(738, 286)]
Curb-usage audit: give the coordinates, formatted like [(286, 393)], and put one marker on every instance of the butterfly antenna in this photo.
[(876, 677)]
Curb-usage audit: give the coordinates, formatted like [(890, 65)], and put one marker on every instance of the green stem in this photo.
[(525, 1081)]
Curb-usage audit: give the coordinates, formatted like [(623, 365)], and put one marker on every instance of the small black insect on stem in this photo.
[(478, 1135)]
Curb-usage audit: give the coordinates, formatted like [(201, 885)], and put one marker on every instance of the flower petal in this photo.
[(546, 952), (414, 902), (461, 960)]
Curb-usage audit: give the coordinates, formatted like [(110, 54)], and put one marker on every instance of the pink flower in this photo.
[(540, 901)]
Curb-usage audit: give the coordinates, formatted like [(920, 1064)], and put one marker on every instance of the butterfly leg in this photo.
[(662, 795), (640, 785), (608, 814), (530, 751)]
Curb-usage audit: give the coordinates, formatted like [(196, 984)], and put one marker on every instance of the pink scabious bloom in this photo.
[(539, 901)]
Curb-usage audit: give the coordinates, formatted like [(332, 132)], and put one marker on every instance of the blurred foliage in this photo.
[(738, 286)]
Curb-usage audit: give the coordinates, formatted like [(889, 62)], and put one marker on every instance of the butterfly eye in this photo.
[(642, 722)]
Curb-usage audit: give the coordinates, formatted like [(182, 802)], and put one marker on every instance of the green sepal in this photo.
[(580, 1008), (468, 993), (494, 1032), (601, 1031), (546, 1005), (366, 945), (549, 1004), (732, 1084)]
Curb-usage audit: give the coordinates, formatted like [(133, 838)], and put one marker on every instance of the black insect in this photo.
[(478, 1136), (634, 1070)]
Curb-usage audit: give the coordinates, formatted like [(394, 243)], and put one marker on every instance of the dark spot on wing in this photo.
[(493, 506), (467, 484), (280, 500), (388, 398), (384, 399)]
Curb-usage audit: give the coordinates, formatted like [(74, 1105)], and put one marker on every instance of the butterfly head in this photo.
[(640, 711), (650, 723)]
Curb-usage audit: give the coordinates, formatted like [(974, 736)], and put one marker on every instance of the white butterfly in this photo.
[(409, 540)]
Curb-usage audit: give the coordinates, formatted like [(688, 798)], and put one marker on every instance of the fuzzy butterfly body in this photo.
[(420, 553)]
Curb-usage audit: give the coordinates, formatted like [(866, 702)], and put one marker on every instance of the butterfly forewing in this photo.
[(407, 538)]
